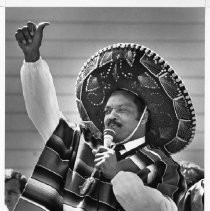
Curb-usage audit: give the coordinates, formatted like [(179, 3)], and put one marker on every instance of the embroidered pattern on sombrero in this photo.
[(143, 72)]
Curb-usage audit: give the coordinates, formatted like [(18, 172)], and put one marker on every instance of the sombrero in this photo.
[(137, 69)]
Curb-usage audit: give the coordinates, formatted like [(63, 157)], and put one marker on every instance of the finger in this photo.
[(31, 28), (99, 164), (26, 34), (20, 37), (97, 160), (98, 155), (102, 149), (41, 27)]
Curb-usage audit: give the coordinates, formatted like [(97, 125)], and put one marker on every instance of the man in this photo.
[(193, 200), (126, 89), (192, 172), (14, 185)]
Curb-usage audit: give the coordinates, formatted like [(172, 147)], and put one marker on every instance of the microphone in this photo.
[(109, 135)]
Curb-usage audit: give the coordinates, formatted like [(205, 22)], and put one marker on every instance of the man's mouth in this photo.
[(114, 125)]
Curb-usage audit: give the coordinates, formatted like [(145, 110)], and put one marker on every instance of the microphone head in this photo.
[(109, 135)]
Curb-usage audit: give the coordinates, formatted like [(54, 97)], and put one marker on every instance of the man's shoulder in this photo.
[(65, 125), (159, 154)]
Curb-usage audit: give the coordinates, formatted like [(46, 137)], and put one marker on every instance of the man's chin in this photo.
[(118, 138)]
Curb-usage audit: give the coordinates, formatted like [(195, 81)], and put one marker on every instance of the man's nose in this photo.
[(113, 114), (113, 117)]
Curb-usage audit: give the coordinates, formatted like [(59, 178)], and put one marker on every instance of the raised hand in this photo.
[(29, 38)]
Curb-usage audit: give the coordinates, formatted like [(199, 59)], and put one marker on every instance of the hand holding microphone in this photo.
[(105, 161), (105, 158)]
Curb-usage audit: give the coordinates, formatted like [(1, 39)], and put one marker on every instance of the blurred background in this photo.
[(75, 34)]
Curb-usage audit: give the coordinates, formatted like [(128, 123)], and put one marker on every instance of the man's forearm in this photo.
[(133, 195), (40, 97)]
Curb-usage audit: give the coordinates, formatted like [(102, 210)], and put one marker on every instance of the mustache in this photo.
[(111, 122)]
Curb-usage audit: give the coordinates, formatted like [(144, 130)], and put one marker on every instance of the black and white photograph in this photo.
[(104, 108)]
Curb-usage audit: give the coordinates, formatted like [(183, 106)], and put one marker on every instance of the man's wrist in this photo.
[(115, 179), (117, 170), (32, 57)]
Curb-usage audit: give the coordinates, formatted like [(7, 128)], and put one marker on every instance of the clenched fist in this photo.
[(106, 161), (29, 38)]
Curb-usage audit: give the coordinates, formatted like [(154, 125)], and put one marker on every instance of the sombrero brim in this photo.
[(140, 70)]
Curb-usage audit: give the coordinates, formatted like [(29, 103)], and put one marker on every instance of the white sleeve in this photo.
[(40, 97), (133, 195)]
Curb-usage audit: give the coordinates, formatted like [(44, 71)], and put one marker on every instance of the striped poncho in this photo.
[(67, 161)]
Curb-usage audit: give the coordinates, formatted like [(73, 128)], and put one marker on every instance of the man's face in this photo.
[(12, 193), (121, 114)]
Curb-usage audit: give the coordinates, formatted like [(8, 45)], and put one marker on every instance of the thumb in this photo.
[(102, 149), (41, 27), (94, 151)]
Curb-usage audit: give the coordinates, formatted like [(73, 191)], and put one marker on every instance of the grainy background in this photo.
[(176, 34)]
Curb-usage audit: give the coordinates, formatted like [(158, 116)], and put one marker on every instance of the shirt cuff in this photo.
[(38, 62), (116, 179)]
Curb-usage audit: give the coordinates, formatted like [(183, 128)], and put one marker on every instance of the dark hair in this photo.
[(192, 172), (12, 174), (140, 104)]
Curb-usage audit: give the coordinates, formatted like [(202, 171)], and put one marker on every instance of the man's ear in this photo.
[(145, 117)]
